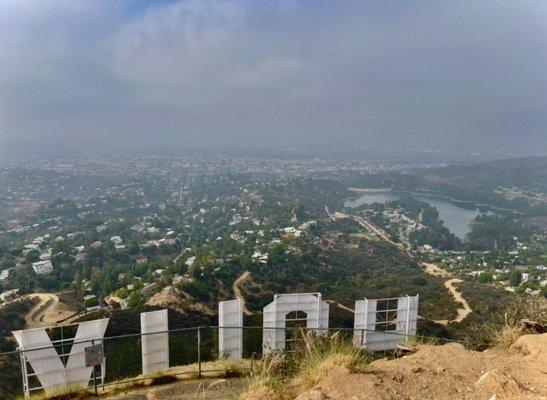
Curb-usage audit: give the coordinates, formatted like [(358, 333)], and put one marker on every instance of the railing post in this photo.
[(24, 372), (199, 351), (94, 373), (253, 355)]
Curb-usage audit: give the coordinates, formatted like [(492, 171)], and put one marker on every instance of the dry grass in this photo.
[(323, 354), (506, 336), (414, 341), (75, 393), (282, 377), (505, 327)]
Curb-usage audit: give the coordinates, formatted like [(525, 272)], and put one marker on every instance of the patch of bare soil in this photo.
[(48, 311), (180, 301), (446, 372), (237, 291), (167, 297), (206, 389)]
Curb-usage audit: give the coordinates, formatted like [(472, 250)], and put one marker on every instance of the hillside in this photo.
[(432, 372)]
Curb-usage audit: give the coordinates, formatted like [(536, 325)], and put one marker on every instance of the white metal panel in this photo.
[(230, 341), (44, 360), (275, 316), (366, 334), (155, 347), (88, 332), (42, 357)]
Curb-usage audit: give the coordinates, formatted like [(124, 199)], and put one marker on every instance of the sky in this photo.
[(372, 73)]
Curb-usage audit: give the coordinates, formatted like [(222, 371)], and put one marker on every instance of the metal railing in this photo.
[(191, 352)]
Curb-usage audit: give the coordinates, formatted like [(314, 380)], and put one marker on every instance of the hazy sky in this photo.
[(274, 72)]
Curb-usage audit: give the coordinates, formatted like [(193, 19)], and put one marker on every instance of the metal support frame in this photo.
[(54, 370), (366, 333), (275, 316)]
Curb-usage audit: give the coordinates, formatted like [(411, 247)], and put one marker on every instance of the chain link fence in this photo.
[(192, 353)]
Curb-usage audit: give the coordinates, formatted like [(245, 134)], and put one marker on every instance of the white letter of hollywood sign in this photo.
[(46, 363)]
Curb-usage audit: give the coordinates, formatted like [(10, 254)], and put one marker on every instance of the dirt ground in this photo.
[(48, 311), (445, 372), (465, 309), (205, 389)]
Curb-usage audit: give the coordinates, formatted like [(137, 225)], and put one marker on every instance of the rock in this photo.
[(439, 370), (315, 394)]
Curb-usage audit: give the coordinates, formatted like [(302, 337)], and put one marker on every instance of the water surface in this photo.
[(455, 217)]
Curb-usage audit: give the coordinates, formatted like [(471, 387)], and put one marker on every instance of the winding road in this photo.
[(36, 316)]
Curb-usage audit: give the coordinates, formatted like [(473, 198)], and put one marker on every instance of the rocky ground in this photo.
[(445, 372), (204, 389)]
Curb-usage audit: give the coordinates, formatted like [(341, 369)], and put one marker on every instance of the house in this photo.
[(9, 294), (148, 289), (4, 274), (42, 267), (117, 240), (190, 261), (259, 257), (532, 292)]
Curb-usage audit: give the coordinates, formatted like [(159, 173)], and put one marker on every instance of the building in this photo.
[(4, 274), (141, 260), (9, 294), (117, 240), (42, 267)]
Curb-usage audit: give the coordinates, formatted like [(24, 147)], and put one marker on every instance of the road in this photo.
[(381, 233), (237, 291), (36, 317)]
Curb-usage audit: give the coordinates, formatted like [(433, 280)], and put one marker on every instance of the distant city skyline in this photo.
[(423, 74)]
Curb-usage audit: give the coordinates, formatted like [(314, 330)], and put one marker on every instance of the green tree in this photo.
[(515, 277)]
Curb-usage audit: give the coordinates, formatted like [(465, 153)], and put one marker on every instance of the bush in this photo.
[(285, 376), (505, 327)]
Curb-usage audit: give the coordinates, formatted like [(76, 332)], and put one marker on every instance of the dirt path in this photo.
[(430, 268), (237, 291), (36, 316), (341, 306), (435, 270), (465, 309)]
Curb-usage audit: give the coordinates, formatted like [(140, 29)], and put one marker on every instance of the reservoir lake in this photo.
[(455, 217)]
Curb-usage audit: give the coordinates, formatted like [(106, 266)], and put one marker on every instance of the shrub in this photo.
[(284, 376), (505, 327)]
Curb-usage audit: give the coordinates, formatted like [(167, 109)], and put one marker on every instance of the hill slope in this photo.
[(445, 372)]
